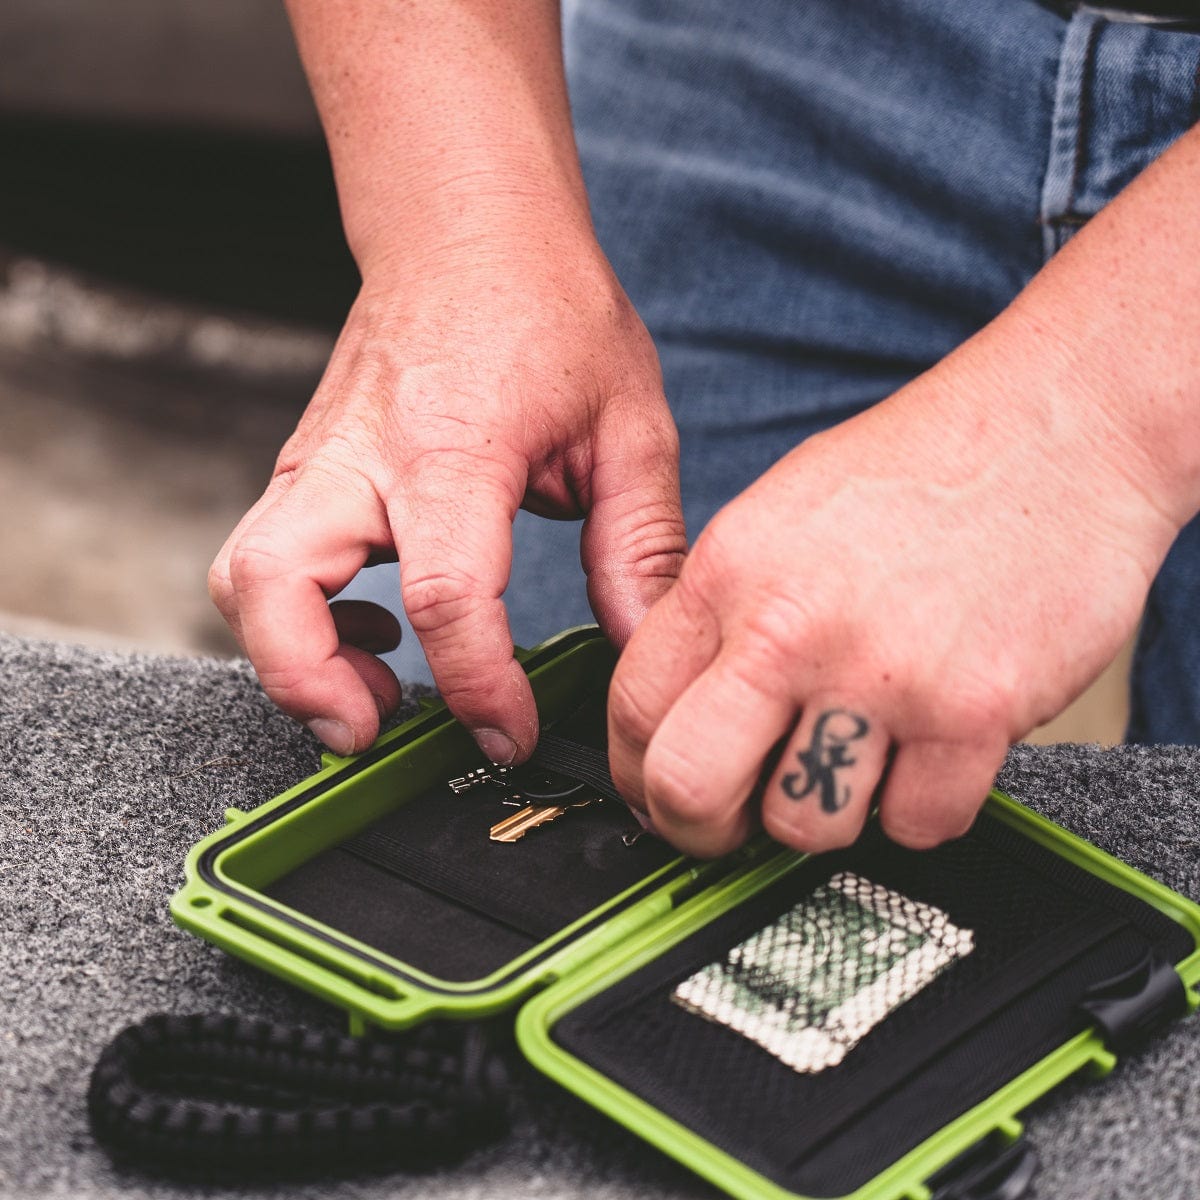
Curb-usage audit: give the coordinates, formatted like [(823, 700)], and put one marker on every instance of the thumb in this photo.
[(633, 541)]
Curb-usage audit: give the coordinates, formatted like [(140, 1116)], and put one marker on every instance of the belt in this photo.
[(1181, 15)]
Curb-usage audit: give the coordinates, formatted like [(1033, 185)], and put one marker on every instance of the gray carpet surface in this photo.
[(113, 766)]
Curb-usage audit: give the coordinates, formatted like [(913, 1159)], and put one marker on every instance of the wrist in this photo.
[(1112, 321), (1013, 420), (1093, 377), (499, 250), (466, 212)]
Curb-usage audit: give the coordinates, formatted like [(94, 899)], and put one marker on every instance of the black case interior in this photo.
[(1045, 931), (427, 886)]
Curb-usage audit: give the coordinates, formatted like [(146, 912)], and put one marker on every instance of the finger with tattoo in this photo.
[(821, 791)]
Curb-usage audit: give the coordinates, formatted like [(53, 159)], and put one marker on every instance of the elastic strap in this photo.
[(588, 764), (226, 1097)]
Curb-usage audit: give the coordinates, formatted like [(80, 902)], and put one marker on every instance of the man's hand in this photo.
[(450, 401), (899, 599), (491, 361)]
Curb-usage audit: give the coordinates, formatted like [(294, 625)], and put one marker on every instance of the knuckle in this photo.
[(438, 600), (656, 540), (652, 542), (976, 710), (342, 468), (288, 465), (482, 460), (697, 614), (717, 543), (628, 710), (706, 576), (733, 533), (664, 452), (783, 828), (660, 545), (469, 693), (255, 558), (777, 625), (285, 685), (671, 786), (658, 442), (220, 588)]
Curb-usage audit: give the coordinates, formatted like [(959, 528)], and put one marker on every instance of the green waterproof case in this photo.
[(373, 885)]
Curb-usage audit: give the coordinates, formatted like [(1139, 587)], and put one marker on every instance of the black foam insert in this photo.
[(427, 885), (1044, 930)]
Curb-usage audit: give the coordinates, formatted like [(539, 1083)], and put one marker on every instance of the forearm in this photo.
[(441, 118), (1101, 352)]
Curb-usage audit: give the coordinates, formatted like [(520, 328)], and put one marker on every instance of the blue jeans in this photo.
[(811, 203)]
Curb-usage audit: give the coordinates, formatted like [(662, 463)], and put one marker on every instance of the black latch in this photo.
[(992, 1169), (1129, 1007)]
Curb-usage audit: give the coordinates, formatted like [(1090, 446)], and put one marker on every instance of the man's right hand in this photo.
[(511, 371)]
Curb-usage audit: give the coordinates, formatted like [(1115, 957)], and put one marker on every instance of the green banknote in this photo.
[(809, 986)]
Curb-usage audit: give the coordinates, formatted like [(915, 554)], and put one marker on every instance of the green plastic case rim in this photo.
[(904, 1179)]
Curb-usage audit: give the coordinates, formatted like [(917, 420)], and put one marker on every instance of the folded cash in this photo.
[(810, 986)]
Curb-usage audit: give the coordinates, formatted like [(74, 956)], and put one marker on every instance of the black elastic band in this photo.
[(535, 916), (226, 1097), (588, 764)]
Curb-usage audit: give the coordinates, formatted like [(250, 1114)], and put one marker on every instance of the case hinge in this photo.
[(1129, 1007), (993, 1169)]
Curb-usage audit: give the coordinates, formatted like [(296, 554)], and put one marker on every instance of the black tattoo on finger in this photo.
[(827, 754)]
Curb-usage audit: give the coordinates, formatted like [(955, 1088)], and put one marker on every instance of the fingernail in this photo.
[(497, 745), (337, 735)]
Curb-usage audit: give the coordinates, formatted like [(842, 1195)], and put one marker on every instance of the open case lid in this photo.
[(1063, 958), (279, 888)]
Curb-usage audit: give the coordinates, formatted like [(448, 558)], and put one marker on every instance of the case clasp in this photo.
[(992, 1169), (1129, 1007)]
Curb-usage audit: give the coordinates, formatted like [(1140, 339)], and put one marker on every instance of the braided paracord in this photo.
[(222, 1096)]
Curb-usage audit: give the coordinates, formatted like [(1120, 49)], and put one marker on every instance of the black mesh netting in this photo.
[(988, 945)]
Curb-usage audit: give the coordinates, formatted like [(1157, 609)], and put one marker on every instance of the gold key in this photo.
[(513, 828)]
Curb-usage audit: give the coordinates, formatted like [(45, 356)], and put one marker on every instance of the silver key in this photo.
[(489, 774)]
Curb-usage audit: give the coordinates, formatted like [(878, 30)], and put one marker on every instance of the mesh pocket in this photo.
[(811, 984)]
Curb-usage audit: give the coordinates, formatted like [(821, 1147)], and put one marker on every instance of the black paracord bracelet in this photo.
[(227, 1097)]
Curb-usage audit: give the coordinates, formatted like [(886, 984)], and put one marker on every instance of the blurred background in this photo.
[(172, 277)]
